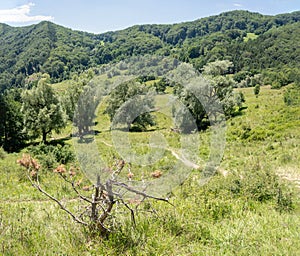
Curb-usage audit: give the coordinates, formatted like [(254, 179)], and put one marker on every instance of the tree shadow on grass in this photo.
[(240, 112)]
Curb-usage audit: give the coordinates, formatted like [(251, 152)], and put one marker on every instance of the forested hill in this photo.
[(251, 40)]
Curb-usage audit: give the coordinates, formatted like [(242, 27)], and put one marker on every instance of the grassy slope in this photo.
[(250, 36), (206, 220)]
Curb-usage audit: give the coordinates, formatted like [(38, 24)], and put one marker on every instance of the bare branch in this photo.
[(123, 185), (37, 186), (101, 203), (81, 196), (131, 211)]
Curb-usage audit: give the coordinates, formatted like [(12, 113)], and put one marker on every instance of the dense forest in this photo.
[(252, 41)]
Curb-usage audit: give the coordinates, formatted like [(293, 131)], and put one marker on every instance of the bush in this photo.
[(240, 76), (260, 185), (276, 85), (251, 81), (263, 185), (284, 201), (276, 79), (256, 183), (257, 89), (291, 96), (50, 156)]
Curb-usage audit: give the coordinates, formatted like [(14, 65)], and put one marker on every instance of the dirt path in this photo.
[(105, 143), (290, 174), (179, 157), (182, 158)]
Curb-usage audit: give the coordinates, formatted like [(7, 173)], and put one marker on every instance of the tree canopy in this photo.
[(206, 98), (12, 136), (42, 110), (131, 103)]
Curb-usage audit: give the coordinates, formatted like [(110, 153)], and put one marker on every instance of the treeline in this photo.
[(62, 52), (28, 115), (235, 20), (33, 114)]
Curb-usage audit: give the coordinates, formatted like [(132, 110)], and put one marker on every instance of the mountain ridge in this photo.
[(159, 24), (50, 48)]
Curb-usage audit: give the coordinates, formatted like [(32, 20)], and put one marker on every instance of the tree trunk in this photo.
[(96, 200)]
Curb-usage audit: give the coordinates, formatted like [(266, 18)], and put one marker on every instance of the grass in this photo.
[(250, 36), (241, 213)]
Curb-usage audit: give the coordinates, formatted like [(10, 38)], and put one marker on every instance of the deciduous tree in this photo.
[(11, 121), (139, 105), (42, 110)]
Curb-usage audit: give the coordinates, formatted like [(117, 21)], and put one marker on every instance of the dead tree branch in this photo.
[(100, 203)]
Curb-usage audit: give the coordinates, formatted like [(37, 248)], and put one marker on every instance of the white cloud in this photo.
[(21, 14), (237, 5)]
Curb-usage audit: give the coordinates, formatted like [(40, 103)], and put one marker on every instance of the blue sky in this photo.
[(100, 16)]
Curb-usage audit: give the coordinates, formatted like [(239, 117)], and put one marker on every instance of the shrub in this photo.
[(291, 96), (263, 185), (260, 185), (256, 183), (284, 201), (256, 89), (50, 155)]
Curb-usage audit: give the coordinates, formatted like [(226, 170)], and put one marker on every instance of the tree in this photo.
[(42, 110), (70, 99), (84, 112), (130, 103), (213, 89), (256, 90), (161, 85), (11, 121), (223, 90), (239, 99), (191, 113), (251, 81), (218, 67)]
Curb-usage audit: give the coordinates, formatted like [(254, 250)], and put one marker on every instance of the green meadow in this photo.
[(250, 206)]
